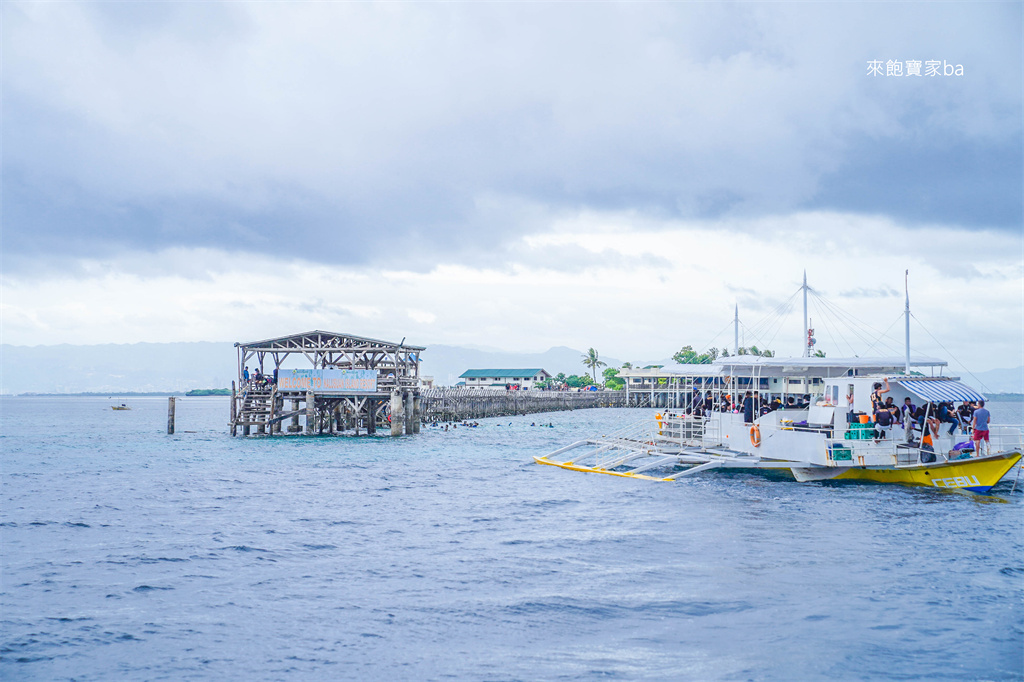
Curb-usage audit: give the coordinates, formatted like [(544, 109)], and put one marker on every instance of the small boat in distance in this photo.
[(122, 406)]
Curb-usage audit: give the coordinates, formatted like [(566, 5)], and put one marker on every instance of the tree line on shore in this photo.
[(611, 380)]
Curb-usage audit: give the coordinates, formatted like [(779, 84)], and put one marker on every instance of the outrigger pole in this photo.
[(906, 314)]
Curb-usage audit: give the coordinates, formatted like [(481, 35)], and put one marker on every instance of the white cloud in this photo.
[(965, 287)]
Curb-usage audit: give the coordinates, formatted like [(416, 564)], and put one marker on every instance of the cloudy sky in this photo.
[(514, 175)]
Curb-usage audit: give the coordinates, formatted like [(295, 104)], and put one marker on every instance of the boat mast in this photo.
[(906, 314), (736, 332), (807, 347)]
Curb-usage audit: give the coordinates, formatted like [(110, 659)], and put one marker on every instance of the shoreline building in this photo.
[(500, 379)]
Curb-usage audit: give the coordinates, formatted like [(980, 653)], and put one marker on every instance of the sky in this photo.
[(515, 175)]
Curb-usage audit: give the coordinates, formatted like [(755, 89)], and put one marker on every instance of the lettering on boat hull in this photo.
[(956, 482)]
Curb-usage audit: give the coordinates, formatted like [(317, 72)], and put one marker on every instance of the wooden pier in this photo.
[(327, 383), (324, 382), (457, 404)]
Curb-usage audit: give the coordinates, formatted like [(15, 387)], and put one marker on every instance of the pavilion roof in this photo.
[(323, 340)]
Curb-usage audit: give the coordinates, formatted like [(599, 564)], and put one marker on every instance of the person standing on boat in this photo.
[(883, 422), (979, 423), (876, 395), (748, 407), (908, 410)]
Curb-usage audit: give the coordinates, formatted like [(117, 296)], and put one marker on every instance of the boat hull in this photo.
[(975, 475)]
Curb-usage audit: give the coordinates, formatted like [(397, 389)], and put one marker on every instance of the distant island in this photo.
[(208, 391), (1005, 397)]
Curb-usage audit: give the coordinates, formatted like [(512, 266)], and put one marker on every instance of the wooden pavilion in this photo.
[(326, 382)]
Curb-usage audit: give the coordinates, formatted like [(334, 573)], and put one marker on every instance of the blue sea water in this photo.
[(130, 554)]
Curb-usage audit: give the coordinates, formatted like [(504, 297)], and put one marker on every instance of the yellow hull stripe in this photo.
[(977, 475)]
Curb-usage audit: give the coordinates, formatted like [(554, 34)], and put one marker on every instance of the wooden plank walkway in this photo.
[(457, 404)]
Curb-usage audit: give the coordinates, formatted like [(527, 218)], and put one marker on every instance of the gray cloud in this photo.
[(352, 133)]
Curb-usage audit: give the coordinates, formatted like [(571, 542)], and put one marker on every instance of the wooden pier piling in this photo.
[(397, 413), (170, 415), (234, 411)]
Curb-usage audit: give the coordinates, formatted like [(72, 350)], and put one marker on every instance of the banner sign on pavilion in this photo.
[(328, 380)]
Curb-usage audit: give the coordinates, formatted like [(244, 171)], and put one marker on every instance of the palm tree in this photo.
[(591, 360)]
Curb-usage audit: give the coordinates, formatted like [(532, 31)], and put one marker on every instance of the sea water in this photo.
[(131, 554)]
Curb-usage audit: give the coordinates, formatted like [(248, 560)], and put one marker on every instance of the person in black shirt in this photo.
[(748, 407), (966, 414), (883, 423), (876, 395)]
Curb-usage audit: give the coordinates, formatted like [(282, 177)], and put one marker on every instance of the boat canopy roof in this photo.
[(939, 390), (704, 370), (754, 365), (817, 364)]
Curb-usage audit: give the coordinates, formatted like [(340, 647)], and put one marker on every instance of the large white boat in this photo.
[(825, 432)]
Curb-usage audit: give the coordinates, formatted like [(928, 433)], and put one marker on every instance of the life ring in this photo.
[(755, 436)]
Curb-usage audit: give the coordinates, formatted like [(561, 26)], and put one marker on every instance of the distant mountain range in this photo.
[(157, 367)]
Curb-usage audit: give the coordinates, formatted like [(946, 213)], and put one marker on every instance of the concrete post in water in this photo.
[(310, 412), (408, 413), (417, 412), (234, 411), (170, 415), (294, 426), (397, 416)]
